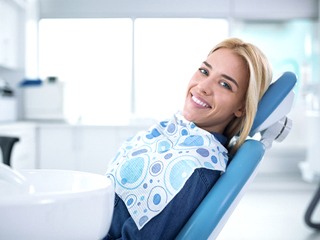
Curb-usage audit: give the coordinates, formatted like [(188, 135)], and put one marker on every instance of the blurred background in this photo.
[(79, 77)]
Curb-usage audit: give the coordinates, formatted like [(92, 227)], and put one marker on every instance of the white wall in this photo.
[(239, 9)]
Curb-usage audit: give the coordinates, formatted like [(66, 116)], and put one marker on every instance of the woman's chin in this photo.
[(188, 116)]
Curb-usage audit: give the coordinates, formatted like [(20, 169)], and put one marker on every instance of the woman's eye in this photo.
[(226, 85), (204, 71)]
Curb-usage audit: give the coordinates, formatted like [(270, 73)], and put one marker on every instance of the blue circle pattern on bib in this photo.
[(153, 166)]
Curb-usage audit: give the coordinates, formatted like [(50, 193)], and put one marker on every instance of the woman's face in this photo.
[(216, 92)]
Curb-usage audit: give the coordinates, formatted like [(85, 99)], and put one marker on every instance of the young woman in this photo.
[(161, 175)]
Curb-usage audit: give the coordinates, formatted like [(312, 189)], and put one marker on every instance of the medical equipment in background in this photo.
[(8, 102), (43, 100), (271, 124), (6, 146), (310, 211)]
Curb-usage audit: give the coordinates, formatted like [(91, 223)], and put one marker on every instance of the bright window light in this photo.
[(93, 57)]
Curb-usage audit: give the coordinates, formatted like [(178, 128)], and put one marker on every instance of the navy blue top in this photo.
[(220, 137)]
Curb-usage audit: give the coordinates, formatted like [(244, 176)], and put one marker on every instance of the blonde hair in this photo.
[(260, 76)]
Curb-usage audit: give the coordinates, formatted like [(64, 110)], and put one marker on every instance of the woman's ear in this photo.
[(239, 112)]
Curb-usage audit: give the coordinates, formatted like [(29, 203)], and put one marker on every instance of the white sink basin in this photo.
[(60, 204)]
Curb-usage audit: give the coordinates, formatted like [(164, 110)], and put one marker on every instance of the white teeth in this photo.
[(198, 101)]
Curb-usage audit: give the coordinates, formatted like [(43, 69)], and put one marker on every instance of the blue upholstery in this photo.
[(211, 214), (222, 195), (277, 91)]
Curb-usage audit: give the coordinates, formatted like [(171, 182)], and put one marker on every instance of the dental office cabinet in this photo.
[(80, 147), (65, 146), (24, 153)]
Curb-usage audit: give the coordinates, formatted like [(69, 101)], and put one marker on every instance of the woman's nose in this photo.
[(206, 87)]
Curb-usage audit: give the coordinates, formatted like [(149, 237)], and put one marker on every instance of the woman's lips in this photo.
[(200, 102)]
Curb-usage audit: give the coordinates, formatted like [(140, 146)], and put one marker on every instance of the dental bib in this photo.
[(153, 166)]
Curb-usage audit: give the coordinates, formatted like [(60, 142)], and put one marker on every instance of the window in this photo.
[(111, 77), (93, 57)]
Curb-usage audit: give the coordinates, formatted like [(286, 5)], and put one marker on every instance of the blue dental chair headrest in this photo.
[(275, 103)]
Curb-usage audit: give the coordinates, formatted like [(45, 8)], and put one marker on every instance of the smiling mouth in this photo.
[(199, 102)]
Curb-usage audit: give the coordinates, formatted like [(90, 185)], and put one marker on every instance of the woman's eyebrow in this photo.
[(207, 64), (223, 75), (230, 79)]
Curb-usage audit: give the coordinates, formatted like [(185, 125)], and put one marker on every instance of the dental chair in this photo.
[(270, 124)]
